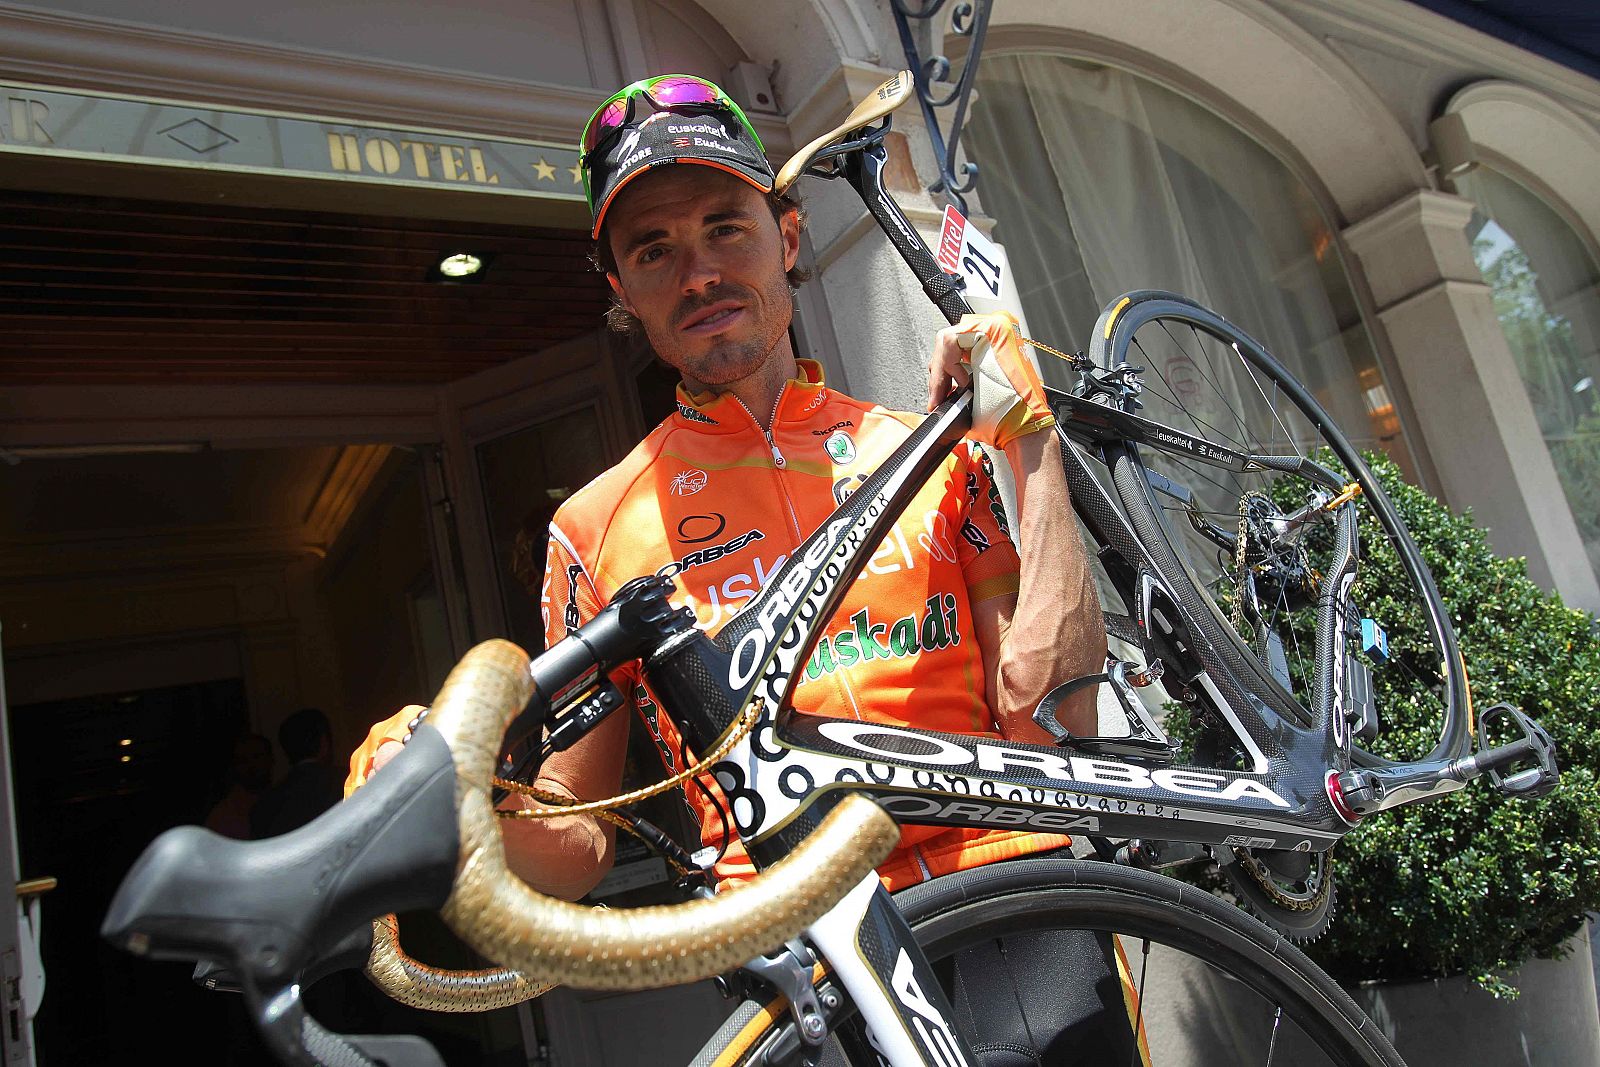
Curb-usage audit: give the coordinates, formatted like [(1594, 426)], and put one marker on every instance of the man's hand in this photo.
[(383, 744), (1008, 400)]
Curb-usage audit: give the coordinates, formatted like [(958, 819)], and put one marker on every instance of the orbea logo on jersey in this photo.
[(688, 483), (698, 529), (716, 552)]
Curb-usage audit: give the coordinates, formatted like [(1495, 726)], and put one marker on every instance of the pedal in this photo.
[(1145, 740), (1535, 744)]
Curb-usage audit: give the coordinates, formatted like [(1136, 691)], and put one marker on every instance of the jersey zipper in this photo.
[(778, 462)]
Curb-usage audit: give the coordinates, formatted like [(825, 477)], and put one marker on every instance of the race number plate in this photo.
[(964, 250)]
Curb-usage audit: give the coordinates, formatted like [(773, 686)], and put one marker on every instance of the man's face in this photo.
[(701, 263)]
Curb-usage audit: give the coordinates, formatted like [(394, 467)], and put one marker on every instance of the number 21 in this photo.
[(972, 268)]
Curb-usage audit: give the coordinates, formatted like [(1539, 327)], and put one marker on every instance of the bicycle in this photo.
[(1219, 603)]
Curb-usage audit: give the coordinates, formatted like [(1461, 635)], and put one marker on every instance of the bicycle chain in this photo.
[(1240, 545)]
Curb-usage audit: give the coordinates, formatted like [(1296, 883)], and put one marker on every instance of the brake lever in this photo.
[(296, 1038)]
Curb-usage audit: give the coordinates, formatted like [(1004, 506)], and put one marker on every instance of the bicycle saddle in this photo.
[(263, 910)]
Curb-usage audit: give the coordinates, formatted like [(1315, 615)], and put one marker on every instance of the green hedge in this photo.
[(1473, 884)]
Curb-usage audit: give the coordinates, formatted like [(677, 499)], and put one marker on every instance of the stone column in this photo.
[(1471, 408)]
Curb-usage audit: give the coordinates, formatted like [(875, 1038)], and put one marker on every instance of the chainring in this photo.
[(1292, 892)]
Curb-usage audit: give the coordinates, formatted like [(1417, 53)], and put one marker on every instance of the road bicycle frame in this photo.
[(780, 778)]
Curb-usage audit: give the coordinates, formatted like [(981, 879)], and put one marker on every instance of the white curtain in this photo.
[(1102, 182)]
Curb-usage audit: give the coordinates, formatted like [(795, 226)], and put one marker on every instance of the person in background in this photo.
[(312, 785), (250, 774)]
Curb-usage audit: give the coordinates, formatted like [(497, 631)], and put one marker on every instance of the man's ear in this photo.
[(789, 230), (616, 288)]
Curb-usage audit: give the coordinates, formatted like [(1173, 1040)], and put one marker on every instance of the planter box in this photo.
[(1453, 1023), (1196, 1018)]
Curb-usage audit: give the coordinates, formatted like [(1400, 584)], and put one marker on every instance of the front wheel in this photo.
[(1206, 983)]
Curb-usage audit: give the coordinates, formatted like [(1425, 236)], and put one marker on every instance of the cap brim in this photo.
[(762, 182)]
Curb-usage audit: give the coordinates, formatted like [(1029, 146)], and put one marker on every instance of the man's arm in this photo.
[(1055, 632), (567, 856), (1051, 630)]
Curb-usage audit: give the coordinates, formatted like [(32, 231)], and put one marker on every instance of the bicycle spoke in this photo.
[(1214, 386), (1272, 1042), (1272, 407), (1174, 400)]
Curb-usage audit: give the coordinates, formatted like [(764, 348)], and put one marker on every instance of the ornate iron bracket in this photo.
[(970, 19)]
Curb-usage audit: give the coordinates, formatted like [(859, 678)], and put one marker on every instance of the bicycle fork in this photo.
[(875, 956)]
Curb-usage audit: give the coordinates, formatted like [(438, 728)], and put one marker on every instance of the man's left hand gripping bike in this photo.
[(1227, 512)]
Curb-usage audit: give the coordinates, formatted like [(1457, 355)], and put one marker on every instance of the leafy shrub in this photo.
[(1474, 883)]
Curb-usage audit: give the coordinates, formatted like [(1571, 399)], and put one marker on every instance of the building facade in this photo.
[(255, 440)]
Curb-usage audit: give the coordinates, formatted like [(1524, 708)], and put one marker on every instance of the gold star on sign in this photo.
[(546, 172), (577, 174)]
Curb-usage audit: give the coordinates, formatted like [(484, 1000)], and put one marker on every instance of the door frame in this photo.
[(16, 1026), (589, 371)]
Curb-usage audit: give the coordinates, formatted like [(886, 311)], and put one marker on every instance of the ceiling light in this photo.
[(127, 759), (125, 742), (460, 265)]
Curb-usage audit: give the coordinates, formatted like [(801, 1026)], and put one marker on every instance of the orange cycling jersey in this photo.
[(710, 489)]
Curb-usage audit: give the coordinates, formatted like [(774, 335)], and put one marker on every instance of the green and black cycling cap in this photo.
[(689, 120)]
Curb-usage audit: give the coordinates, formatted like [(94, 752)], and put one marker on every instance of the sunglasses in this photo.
[(668, 92)]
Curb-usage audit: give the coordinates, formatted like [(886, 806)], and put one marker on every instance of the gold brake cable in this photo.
[(560, 805), (1041, 346)]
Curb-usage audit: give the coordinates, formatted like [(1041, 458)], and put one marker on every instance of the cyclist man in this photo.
[(945, 629)]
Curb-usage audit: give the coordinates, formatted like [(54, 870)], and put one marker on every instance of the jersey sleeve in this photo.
[(568, 598), (988, 555)]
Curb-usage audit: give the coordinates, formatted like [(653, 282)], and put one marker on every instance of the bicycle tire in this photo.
[(1117, 341), (959, 910)]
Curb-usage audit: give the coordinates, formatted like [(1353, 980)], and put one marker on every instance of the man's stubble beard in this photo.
[(729, 360)]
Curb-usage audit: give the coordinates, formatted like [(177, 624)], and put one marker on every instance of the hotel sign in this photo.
[(95, 126)]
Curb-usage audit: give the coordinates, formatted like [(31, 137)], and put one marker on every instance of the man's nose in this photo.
[(699, 271)]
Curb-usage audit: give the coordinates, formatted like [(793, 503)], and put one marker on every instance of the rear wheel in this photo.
[(1247, 552), (1209, 984)]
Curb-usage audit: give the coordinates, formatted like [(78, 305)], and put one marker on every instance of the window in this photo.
[(1543, 281), (1101, 181)]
